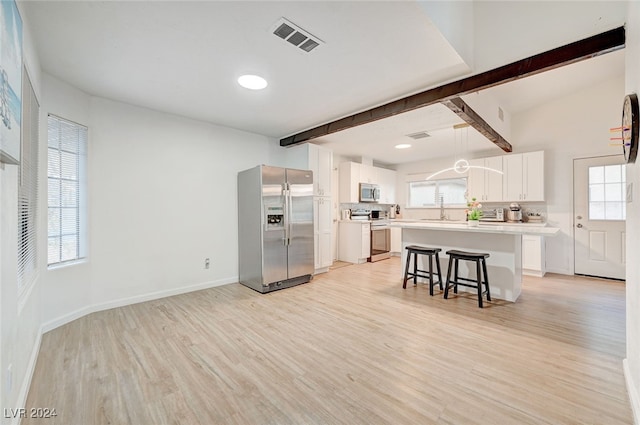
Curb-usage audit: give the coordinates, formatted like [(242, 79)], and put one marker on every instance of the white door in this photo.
[(599, 216)]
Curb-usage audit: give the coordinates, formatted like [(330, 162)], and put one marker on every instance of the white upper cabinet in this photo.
[(321, 163), (483, 184), (349, 181), (317, 159), (367, 174), (353, 173), (524, 177), (387, 181)]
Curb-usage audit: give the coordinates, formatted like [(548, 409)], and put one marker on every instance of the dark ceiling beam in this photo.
[(596, 45), (471, 117)]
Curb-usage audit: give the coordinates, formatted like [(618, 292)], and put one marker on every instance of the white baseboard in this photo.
[(633, 394), (559, 271), (67, 318), (26, 382)]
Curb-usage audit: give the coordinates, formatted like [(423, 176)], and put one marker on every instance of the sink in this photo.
[(432, 220)]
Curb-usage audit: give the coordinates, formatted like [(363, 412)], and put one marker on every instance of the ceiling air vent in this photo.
[(420, 135), (296, 35)]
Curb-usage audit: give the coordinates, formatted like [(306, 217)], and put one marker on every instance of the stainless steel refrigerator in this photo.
[(275, 227)]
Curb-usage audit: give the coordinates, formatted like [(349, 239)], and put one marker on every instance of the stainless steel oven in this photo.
[(380, 240)]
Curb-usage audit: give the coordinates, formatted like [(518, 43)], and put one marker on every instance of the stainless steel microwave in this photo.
[(369, 192)]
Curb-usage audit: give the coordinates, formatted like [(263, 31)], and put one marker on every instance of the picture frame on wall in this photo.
[(10, 81)]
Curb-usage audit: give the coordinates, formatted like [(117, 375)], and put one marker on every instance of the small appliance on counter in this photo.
[(359, 215), (514, 213), (346, 214), (379, 215), (393, 210), (493, 215)]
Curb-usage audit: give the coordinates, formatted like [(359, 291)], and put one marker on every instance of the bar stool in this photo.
[(416, 250), (480, 259)]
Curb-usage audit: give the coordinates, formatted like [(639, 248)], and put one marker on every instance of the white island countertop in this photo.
[(461, 226)]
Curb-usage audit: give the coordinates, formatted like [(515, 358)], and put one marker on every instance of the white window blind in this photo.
[(28, 189), (67, 147), (427, 193)]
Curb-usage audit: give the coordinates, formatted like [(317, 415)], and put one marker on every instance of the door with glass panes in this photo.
[(599, 216)]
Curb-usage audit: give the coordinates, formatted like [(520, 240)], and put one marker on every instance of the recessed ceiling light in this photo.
[(252, 82), (403, 146)]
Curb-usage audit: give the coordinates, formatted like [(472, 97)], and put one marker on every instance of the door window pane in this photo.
[(607, 193)]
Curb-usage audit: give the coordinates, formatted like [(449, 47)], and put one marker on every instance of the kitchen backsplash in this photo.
[(533, 209)]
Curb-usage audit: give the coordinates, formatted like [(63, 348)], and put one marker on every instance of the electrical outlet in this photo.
[(207, 263), (9, 381)]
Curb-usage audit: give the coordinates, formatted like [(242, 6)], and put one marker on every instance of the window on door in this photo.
[(607, 192)]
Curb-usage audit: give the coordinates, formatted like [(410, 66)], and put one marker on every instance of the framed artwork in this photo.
[(10, 81)]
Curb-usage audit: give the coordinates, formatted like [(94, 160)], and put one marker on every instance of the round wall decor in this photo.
[(630, 127)]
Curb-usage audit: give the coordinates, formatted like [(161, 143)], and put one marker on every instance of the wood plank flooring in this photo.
[(350, 347)]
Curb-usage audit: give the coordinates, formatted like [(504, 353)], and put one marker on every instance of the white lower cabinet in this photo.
[(396, 241), (322, 233), (354, 241), (533, 256)]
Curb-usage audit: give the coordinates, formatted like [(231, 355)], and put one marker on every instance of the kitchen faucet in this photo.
[(442, 214)]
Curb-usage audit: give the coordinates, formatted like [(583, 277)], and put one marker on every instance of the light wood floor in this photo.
[(350, 347)]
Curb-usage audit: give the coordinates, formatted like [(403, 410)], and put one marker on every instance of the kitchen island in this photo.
[(503, 242)]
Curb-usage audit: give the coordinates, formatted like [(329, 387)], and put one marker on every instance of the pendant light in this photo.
[(461, 165)]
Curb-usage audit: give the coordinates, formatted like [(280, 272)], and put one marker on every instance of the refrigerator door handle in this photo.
[(286, 192)]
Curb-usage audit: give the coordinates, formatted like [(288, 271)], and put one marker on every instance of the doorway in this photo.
[(599, 188)]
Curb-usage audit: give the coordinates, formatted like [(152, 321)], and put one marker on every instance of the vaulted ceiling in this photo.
[(184, 57)]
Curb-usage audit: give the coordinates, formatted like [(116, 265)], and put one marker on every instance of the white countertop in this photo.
[(490, 227)]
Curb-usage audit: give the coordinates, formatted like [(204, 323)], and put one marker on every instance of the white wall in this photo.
[(506, 31), (575, 126), (19, 319), (162, 198), (632, 85)]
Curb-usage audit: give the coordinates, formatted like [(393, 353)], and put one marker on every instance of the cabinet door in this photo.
[(323, 225), (325, 167), (366, 240), (492, 180), (349, 182), (475, 180), (367, 174), (512, 177), (387, 181), (533, 176), (532, 252), (321, 163), (396, 240), (326, 253)]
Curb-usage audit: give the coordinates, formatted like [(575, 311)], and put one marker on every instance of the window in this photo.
[(607, 192), (66, 190), (428, 193), (28, 189)]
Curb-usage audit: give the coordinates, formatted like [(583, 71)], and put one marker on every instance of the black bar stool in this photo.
[(416, 250), (481, 275)]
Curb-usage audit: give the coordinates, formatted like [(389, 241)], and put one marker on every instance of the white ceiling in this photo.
[(184, 57)]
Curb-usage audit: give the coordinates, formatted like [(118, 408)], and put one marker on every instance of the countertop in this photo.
[(491, 227)]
